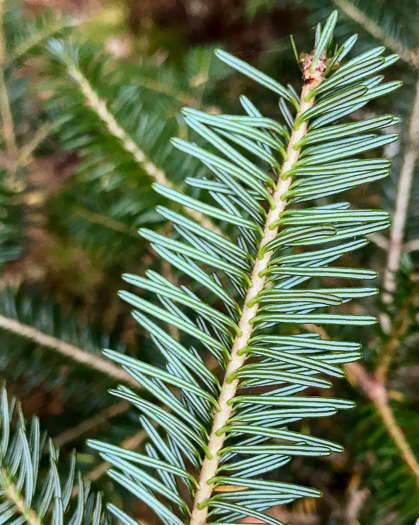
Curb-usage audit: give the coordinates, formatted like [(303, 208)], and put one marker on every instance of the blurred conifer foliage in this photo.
[(90, 98)]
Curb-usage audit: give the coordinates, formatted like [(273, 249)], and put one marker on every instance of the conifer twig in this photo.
[(105, 221), (297, 518), (356, 499), (371, 27), (9, 488), (165, 89), (99, 106), (26, 151), (379, 240), (411, 246), (229, 389), (65, 349), (400, 326), (398, 436)]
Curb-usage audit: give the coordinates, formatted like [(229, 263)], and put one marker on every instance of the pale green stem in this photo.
[(99, 106), (229, 389)]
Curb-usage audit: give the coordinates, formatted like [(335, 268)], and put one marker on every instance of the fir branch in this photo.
[(25, 488), (100, 107), (10, 490), (371, 27), (165, 89), (129, 443), (27, 150), (229, 390), (398, 436), (399, 328), (65, 349), (244, 190)]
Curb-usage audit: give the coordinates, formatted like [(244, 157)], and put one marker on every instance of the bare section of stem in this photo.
[(228, 390), (401, 207), (18, 500), (70, 351)]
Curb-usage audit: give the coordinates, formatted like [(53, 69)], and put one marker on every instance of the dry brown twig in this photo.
[(376, 392)]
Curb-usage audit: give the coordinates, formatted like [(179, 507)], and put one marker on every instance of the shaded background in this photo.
[(95, 90)]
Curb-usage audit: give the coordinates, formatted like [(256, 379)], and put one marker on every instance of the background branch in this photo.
[(65, 349)]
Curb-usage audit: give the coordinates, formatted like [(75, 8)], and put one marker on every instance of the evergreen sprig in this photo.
[(234, 431), (29, 495)]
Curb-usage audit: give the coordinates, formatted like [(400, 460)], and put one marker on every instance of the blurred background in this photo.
[(90, 94)]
